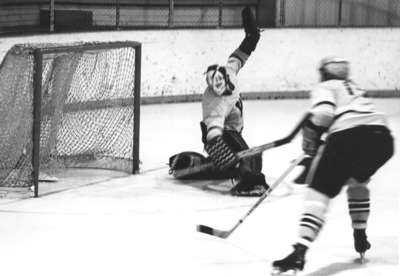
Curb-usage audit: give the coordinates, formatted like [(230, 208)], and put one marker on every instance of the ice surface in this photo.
[(145, 224), (94, 222)]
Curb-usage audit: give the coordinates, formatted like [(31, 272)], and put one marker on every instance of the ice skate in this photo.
[(250, 184), (361, 244), (292, 264)]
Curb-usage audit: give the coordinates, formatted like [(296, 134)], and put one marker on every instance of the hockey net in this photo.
[(66, 106)]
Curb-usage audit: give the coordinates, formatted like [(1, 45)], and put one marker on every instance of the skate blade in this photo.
[(362, 258), (289, 272)]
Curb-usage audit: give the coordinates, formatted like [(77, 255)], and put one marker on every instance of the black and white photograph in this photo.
[(199, 137)]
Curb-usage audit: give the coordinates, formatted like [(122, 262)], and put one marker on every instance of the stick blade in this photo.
[(211, 231)]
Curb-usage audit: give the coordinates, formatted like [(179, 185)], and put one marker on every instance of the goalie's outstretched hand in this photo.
[(249, 22)]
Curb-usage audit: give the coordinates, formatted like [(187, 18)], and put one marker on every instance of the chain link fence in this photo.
[(82, 15)]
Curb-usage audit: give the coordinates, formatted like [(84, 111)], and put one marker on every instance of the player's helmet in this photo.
[(218, 80), (334, 68)]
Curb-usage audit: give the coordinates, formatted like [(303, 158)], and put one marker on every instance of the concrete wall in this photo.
[(173, 61)]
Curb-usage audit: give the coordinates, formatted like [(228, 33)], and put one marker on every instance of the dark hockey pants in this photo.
[(352, 153)]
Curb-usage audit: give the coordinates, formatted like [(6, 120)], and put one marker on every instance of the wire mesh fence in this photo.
[(78, 15), (83, 15)]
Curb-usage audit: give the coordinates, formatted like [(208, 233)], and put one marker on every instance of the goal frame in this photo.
[(38, 54)]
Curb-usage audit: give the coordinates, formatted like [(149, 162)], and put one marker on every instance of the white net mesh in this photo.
[(87, 111)]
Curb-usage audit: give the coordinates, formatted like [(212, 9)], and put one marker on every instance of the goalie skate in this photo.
[(229, 187), (222, 187)]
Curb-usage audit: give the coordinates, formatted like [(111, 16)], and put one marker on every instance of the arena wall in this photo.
[(283, 65)]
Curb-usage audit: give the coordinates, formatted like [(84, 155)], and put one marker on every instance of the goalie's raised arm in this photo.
[(252, 35), (251, 30)]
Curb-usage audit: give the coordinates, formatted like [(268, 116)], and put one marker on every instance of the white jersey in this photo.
[(222, 112), (346, 104)]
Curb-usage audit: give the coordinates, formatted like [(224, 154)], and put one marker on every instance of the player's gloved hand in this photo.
[(311, 137), (221, 153), (306, 163)]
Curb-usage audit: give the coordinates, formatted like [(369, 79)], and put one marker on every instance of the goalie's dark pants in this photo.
[(237, 143), (250, 179), (352, 153)]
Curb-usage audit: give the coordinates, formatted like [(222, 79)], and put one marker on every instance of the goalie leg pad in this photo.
[(221, 153)]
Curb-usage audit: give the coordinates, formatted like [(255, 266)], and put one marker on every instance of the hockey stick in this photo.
[(224, 234), (247, 152)]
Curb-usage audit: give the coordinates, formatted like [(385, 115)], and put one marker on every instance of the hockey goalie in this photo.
[(222, 124)]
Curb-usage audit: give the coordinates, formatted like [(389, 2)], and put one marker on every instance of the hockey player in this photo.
[(222, 121), (357, 143)]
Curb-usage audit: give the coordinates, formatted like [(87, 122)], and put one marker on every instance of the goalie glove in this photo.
[(249, 43), (311, 137), (221, 153), (249, 22)]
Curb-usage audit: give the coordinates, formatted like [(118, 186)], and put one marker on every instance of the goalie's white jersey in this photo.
[(346, 104), (223, 112)]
